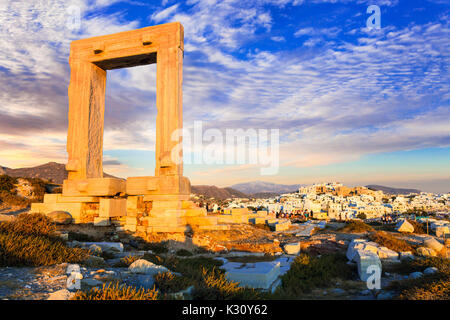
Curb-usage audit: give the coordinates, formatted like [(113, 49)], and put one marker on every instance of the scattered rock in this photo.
[(430, 270), (385, 295), (6, 218), (353, 246), (442, 231), (426, 252), (62, 294), (415, 275), (406, 255), (338, 291), (292, 248), (96, 250), (145, 267), (367, 261), (385, 253), (73, 281), (107, 246), (71, 268), (60, 217), (433, 244), (94, 261), (405, 227), (91, 282), (366, 292)]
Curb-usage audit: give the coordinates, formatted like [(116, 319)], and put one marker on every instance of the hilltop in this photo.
[(51, 171), (265, 187), (390, 190)]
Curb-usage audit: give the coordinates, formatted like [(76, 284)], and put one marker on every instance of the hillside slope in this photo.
[(52, 171)]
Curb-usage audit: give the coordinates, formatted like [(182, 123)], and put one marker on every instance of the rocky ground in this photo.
[(233, 245)]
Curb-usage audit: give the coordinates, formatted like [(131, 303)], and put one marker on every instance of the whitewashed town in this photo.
[(326, 201)]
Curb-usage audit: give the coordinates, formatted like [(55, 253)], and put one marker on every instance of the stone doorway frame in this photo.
[(89, 61)]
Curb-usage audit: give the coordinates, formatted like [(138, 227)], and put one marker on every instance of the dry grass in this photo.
[(125, 262), (429, 287), (308, 272), (356, 227), (167, 282), (34, 224), (116, 292), (386, 240), (29, 241), (418, 229), (215, 286)]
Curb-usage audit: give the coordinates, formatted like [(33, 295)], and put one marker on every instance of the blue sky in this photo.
[(355, 105)]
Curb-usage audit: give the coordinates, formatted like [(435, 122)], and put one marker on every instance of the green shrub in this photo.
[(116, 292), (29, 250), (184, 252), (167, 282), (13, 199), (157, 248), (7, 183), (30, 241), (125, 262), (420, 264), (308, 272), (429, 287), (361, 216), (29, 224), (39, 187), (215, 286)]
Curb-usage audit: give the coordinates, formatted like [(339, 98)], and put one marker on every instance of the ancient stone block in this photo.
[(112, 208)]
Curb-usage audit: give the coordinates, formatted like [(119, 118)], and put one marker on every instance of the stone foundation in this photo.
[(132, 213)]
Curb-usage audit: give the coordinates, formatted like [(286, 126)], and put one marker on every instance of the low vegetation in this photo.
[(356, 226), (157, 247), (215, 286), (30, 241), (418, 229), (7, 183), (184, 253), (204, 274), (113, 291), (167, 282), (8, 192), (125, 262), (429, 287), (12, 199), (308, 272), (389, 241)]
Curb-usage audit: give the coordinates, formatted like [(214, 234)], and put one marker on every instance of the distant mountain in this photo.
[(264, 195), (390, 190), (216, 192), (264, 187), (52, 171)]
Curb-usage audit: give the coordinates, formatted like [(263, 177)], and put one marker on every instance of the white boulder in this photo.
[(353, 246), (442, 231), (367, 262), (146, 267), (426, 252), (406, 255), (433, 244), (405, 226), (292, 248), (430, 270), (385, 253), (415, 275)]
